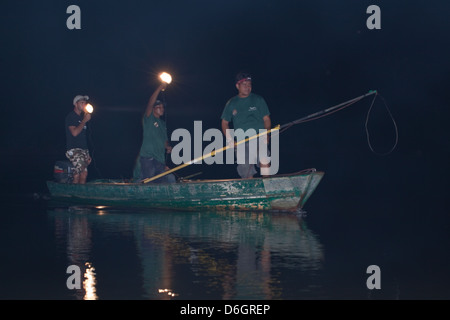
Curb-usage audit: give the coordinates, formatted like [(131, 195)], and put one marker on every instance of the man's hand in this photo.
[(265, 139), (230, 143), (87, 117)]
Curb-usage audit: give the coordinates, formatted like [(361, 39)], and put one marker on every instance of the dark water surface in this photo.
[(127, 254)]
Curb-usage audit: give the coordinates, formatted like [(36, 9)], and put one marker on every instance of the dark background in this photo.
[(303, 57)]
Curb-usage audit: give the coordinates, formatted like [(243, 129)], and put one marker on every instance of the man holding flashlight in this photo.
[(155, 144), (76, 141)]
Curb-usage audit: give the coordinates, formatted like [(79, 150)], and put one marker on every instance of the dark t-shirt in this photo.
[(80, 140)]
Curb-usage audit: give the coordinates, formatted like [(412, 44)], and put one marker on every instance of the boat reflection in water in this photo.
[(186, 255)]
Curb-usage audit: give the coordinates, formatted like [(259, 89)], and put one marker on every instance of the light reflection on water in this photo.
[(186, 255), (89, 283)]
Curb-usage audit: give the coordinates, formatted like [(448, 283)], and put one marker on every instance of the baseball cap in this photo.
[(243, 76), (158, 102), (80, 97)]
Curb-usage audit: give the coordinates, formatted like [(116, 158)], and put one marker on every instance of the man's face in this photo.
[(81, 104), (244, 88), (159, 109)]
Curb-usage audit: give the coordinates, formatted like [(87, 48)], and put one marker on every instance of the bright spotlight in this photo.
[(89, 108), (165, 77)]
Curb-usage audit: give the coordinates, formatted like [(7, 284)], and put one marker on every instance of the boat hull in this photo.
[(285, 193)]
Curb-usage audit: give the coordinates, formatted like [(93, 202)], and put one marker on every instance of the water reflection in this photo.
[(73, 233), (89, 283), (185, 255)]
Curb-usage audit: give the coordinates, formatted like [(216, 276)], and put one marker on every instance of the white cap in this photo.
[(79, 97)]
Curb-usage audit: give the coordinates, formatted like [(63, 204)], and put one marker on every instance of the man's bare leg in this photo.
[(83, 177)]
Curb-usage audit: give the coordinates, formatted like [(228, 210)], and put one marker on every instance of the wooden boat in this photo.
[(279, 193)]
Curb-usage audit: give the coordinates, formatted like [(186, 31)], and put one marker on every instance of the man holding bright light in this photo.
[(155, 144), (76, 141)]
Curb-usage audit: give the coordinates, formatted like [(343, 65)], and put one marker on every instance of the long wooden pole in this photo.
[(260, 134), (211, 154)]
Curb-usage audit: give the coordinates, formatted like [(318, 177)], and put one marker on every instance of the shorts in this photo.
[(79, 158)]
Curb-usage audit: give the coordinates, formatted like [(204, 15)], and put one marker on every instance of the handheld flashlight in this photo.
[(89, 108), (165, 77)]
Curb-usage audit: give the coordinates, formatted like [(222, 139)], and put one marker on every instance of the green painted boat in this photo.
[(279, 193)]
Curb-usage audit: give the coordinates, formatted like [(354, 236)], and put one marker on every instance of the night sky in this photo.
[(304, 56)]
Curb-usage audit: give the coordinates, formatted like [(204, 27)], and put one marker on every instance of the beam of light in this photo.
[(89, 283), (89, 108), (165, 77)]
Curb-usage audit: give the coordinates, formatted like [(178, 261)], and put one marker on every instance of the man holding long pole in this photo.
[(247, 111)]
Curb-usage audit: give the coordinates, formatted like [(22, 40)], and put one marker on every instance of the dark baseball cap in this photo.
[(243, 76)]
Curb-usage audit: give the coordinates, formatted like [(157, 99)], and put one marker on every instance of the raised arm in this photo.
[(152, 100)]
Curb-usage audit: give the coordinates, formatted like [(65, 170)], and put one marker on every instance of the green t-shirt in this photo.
[(246, 113), (155, 137)]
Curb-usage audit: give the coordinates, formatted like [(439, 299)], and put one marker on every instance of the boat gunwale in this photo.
[(304, 172)]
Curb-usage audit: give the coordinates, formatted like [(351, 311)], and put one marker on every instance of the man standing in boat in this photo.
[(76, 141), (155, 144), (247, 110)]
